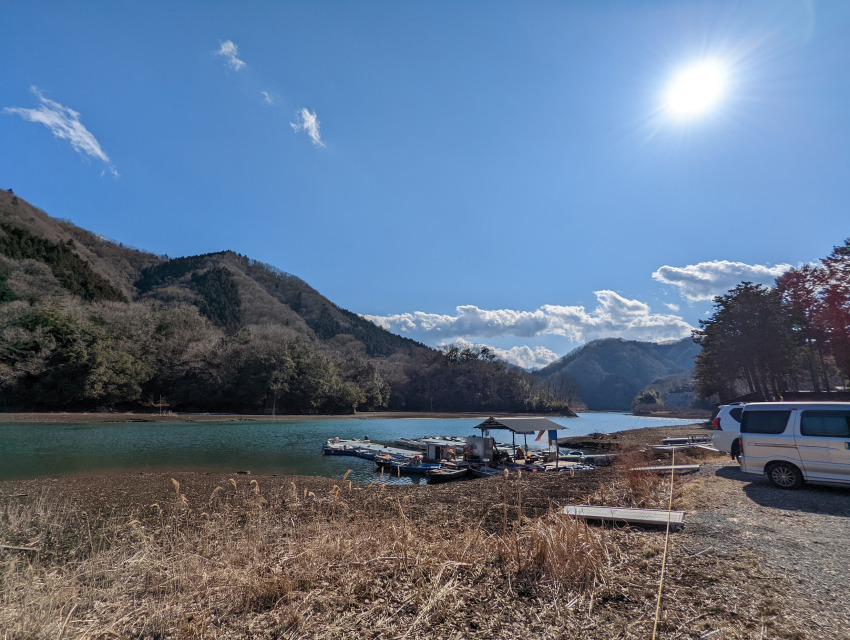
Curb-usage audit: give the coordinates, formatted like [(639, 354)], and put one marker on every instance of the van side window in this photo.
[(830, 424), (764, 421)]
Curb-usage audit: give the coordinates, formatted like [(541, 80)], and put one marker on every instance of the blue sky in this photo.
[(500, 173)]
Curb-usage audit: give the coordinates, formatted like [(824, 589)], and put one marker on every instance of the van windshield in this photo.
[(764, 421)]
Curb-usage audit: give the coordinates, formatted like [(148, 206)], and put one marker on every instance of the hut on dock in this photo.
[(524, 427)]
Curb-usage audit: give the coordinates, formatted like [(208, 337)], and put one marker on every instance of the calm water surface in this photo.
[(28, 451)]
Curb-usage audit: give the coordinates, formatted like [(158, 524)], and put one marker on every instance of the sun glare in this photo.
[(696, 90)]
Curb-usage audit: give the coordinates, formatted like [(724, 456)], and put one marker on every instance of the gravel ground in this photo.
[(797, 538)]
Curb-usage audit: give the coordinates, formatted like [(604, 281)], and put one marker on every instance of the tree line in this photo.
[(68, 354), (767, 341)]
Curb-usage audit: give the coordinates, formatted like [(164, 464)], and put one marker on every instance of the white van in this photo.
[(796, 441)]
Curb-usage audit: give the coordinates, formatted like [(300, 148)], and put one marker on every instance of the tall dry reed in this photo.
[(281, 560)]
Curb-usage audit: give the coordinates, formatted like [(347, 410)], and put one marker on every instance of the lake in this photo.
[(284, 447)]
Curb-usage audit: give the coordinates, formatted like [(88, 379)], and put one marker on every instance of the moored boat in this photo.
[(482, 471), (336, 449), (411, 466), (446, 475)]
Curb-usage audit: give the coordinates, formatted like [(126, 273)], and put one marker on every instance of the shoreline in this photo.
[(48, 417)]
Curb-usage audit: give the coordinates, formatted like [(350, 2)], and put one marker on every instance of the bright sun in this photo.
[(696, 90)]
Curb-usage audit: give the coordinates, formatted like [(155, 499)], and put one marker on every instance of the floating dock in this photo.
[(422, 443), (364, 449), (369, 450)]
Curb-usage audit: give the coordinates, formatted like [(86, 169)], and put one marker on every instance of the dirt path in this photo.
[(799, 540)]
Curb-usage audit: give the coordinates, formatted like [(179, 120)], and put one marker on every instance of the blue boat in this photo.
[(412, 466)]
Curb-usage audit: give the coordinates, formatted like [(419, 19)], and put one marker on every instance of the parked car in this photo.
[(793, 442), (727, 428)]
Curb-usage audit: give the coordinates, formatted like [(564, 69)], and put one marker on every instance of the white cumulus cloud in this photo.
[(230, 52), (469, 321), (64, 123), (705, 280), (527, 357), (614, 316), (522, 356), (308, 122)]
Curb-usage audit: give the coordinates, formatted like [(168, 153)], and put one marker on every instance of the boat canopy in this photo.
[(521, 425)]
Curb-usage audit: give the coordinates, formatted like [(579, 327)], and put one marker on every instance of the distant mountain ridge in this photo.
[(609, 373)]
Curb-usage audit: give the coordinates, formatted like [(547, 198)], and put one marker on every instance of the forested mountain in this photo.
[(87, 323), (608, 374)]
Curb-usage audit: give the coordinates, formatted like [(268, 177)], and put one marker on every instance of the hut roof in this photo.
[(520, 425)]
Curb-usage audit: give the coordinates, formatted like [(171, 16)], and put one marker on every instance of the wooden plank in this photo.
[(620, 514), (679, 468)]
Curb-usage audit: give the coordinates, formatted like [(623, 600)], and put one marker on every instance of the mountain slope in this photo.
[(231, 290), (610, 372), (88, 323), (114, 263)]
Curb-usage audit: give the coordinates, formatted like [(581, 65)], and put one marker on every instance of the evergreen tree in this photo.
[(749, 339)]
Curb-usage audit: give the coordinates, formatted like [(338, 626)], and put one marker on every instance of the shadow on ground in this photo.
[(811, 498)]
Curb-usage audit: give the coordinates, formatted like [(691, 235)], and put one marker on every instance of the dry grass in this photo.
[(274, 562), (281, 558)]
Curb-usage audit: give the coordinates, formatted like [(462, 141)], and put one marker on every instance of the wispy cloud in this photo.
[(308, 122), (230, 52), (267, 97), (614, 316), (673, 307), (705, 280), (64, 123)]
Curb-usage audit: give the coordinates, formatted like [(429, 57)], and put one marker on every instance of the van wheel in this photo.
[(785, 475)]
